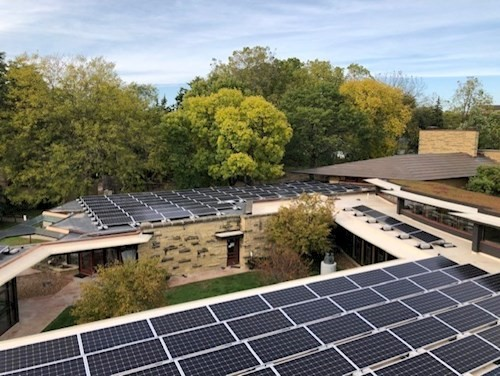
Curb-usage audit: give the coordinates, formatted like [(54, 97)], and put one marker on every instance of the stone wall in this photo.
[(492, 154), (448, 141), (41, 283), (186, 248)]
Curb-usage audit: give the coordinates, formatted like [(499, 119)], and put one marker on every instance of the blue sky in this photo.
[(167, 43)]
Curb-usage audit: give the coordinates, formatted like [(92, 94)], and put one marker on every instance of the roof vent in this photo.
[(447, 245), (424, 246)]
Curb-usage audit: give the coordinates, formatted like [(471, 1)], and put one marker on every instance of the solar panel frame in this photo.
[(435, 263), (466, 271), (398, 289), (421, 365), (261, 323), (406, 228), (466, 318), (406, 270), (388, 314), (70, 367), (429, 302), (371, 278), (168, 369), (357, 299), (433, 280), (311, 311), (179, 321), (492, 305), (467, 354), (239, 307), (491, 282), (426, 237), (424, 332), (492, 335), (340, 328), (288, 296), (466, 292), (332, 286)]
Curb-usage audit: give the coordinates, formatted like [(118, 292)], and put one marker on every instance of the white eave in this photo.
[(384, 184), (432, 201), (484, 219), (228, 234), (11, 268)]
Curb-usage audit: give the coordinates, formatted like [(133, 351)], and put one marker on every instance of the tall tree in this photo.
[(385, 108), (226, 137), (469, 100)]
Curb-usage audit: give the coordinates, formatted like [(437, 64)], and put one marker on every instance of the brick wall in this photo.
[(448, 141)]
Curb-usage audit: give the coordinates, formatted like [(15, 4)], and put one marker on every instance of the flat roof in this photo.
[(481, 218)]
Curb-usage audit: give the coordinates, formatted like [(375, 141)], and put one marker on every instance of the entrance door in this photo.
[(86, 263), (233, 251)]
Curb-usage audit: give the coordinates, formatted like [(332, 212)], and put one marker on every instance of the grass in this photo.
[(184, 293), (452, 193), (19, 240)]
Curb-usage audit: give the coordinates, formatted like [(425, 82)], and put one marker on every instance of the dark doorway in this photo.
[(86, 263), (233, 251)]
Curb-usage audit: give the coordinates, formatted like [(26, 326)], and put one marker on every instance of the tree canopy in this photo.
[(486, 180)]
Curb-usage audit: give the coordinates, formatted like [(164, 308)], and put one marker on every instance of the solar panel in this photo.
[(340, 328), (406, 228), (492, 335), (126, 358), (494, 372), (467, 354), (466, 292), (373, 349), (426, 237), (387, 314), (361, 208), (71, 367), (203, 211), (466, 271), (373, 277), (491, 305), (38, 353), (239, 307), (389, 221), (438, 262), (397, 289), (310, 311), (199, 339), (175, 322), (424, 332), (429, 302), (220, 362), (332, 286), (178, 214), (284, 344), (357, 299), (262, 372), (115, 335), (466, 318), (491, 282), (405, 270), (421, 365), (375, 214), (288, 296), (323, 363), (169, 369), (433, 280), (259, 324)]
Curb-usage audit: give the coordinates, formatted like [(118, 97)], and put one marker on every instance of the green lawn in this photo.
[(185, 293), (19, 240)]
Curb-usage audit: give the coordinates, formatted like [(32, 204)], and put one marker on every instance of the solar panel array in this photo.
[(389, 321), (396, 224), (133, 208)]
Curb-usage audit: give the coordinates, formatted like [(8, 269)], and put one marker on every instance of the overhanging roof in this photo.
[(432, 201), (484, 219), (407, 167)]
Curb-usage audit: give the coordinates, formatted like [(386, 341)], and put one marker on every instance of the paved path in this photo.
[(36, 313)]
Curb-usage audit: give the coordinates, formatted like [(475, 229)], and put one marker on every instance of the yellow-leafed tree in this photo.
[(387, 114)]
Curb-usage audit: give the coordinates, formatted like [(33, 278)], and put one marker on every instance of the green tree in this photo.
[(120, 289), (386, 111), (225, 137), (468, 101), (304, 226), (282, 264), (486, 180)]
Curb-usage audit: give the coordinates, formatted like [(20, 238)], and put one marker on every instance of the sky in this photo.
[(168, 43)]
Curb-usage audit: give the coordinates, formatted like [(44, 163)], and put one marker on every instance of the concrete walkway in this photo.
[(36, 313)]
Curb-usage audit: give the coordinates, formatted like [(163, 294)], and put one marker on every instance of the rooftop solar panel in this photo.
[(398, 289), (373, 277), (288, 296), (126, 358), (405, 270), (284, 344), (332, 286), (357, 299), (421, 365), (323, 363), (491, 282), (71, 367), (494, 372), (239, 307), (362, 208), (169, 369), (463, 272), (220, 362), (175, 322), (466, 292), (467, 354), (433, 280), (340, 328), (438, 262), (406, 228), (38, 353), (262, 372), (311, 311), (426, 237), (492, 335), (387, 314), (429, 302), (375, 214), (374, 349), (389, 221), (258, 324), (116, 335), (424, 332), (466, 318), (198, 339), (491, 305)]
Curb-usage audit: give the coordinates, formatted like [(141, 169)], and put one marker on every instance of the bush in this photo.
[(486, 180), (282, 265), (121, 289)]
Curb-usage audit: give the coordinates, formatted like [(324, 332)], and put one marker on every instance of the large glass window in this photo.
[(491, 234), (9, 313)]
